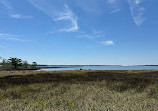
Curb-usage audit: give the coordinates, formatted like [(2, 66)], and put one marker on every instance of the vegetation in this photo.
[(79, 91), (34, 64), (16, 64)]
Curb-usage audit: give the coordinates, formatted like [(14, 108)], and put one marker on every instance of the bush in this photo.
[(16, 63)]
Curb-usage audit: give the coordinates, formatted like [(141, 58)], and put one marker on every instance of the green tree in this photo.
[(5, 64), (34, 64), (25, 65), (1, 61), (15, 62)]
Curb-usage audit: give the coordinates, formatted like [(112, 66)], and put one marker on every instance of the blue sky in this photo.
[(71, 32)]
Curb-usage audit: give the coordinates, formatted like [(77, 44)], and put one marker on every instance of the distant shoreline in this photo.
[(54, 66), (51, 67)]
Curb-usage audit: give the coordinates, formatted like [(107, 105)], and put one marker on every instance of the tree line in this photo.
[(16, 64)]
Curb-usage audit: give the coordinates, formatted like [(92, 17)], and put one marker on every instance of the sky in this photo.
[(80, 32)]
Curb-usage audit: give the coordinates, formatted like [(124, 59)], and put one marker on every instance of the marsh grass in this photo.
[(80, 91)]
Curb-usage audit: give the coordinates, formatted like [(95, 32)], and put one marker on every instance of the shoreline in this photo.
[(50, 67), (27, 72)]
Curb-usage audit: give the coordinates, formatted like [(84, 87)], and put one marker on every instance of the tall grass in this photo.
[(80, 91)]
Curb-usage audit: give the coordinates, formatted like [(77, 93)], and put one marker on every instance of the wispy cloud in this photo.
[(5, 36), (109, 42), (115, 5), (18, 16), (11, 12), (92, 35), (116, 10), (68, 15), (138, 1), (137, 11), (111, 1), (58, 13)]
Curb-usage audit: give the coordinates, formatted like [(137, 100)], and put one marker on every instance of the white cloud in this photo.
[(111, 1), (94, 34), (68, 15), (116, 10), (5, 36), (109, 42), (138, 1), (115, 5), (58, 13), (18, 16), (137, 11)]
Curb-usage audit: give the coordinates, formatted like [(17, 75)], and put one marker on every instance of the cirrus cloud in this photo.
[(18, 16), (109, 42), (61, 12), (136, 11), (12, 37)]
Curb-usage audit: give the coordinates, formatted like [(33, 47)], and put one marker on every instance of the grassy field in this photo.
[(79, 91)]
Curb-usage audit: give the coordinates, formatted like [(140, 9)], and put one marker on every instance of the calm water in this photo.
[(100, 68)]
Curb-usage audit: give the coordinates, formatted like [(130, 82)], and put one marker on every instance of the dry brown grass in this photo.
[(80, 91)]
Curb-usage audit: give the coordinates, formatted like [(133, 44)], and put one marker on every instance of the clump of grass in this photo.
[(72, 105), (153, 91)]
